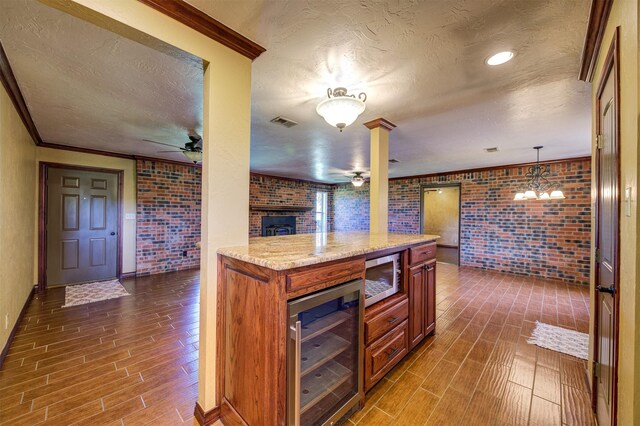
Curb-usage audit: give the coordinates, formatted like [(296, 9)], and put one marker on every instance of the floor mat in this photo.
[(80, 294), (560, 339)]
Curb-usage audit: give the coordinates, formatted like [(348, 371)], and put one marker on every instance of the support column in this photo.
[(225, 203), (379, 180)]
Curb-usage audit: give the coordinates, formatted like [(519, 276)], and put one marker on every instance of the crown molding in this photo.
[(13, 90), (197, 20), (598, 17), (380, 122)]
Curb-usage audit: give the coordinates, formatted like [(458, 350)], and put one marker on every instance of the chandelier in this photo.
[(538, 186), (340, 109), (357, 180)]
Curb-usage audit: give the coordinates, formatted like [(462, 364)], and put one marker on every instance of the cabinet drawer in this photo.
[(385, 321), (422, 253), (383, 355), (323, 276)]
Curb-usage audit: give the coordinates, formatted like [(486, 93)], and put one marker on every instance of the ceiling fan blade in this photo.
[(160, 143)]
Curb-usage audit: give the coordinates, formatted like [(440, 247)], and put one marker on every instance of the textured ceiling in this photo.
[(88, 87), (421, 64)]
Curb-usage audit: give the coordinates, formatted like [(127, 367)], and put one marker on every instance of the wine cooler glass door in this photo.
[(325, 354)]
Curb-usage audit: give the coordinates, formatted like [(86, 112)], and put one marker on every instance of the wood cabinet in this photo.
[(386, 337), (253, 331), (417, 291), (385, 353), (422, 293)]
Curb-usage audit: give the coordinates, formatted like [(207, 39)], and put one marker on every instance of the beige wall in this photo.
[(625, 15), (441, 214), (129, 198), (17, 214)]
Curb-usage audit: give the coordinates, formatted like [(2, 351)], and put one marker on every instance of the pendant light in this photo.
[(340, 109), (538, 186)]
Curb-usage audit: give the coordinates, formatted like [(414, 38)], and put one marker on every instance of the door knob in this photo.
[(113, 233), (610, 290)]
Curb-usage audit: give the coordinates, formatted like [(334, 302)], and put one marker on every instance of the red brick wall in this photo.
[(549, 239), (168, 217), (271, 191)]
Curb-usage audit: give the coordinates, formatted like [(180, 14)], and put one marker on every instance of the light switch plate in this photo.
[(130, 216), (627, 201)]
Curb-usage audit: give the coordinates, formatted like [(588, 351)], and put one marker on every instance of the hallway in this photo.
[(134, 360)]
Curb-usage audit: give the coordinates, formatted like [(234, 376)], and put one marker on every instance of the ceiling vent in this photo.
[(284, 122), (494, 149), (393, 160)]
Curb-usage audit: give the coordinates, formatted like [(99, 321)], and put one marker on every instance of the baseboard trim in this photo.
[(126, 275), (14, 330), (206, 418)]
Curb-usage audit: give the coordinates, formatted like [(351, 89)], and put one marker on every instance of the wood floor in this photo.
[(479, 369), (133, 360)]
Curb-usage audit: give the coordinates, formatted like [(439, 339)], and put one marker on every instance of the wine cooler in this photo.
[(324, 355)]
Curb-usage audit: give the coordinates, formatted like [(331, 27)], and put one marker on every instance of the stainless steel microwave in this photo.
[(382, 278)]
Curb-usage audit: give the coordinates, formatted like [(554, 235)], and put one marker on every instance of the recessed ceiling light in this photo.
[(500, 58)]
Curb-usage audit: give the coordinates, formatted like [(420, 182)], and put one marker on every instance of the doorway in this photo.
[(80, 237), (440, 215), (607, 250)]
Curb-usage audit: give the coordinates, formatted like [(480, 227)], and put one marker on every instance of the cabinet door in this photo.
[(417, 298), (430, 298)]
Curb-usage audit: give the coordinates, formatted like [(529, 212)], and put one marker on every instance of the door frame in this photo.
[(611, 67), (42, 214), (443, 185)]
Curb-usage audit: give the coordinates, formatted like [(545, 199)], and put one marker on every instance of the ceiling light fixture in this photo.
[(537, 187), (500, 58), (357, 180), (195, 156), (341, 109)]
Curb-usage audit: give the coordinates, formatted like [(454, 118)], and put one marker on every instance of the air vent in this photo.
[(284, 121), (494, 149), (393, 160)]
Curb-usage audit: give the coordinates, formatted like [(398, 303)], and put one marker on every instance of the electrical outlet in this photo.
[(6, 321)]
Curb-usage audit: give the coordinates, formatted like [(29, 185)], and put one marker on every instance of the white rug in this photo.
[(560, 339), (80, 294)]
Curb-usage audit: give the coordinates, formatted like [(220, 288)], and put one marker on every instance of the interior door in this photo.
[(82, 226), (607, 242)]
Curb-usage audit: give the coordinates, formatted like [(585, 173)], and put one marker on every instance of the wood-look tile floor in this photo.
[(479, 369), (132, 360)]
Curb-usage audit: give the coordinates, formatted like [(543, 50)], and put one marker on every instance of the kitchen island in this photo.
[(278, 368)]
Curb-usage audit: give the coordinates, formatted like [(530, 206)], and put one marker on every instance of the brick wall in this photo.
[(271, 191), (168, 217), (351, 207), (549, 239)]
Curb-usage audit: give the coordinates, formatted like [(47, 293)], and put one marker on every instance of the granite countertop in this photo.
[(292, 251)]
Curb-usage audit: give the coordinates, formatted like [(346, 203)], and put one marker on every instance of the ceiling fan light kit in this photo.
[(340, 109), (358, 179), (192, 150), (538, 186), (195, 156)]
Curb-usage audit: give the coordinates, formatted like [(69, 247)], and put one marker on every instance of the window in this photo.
[(321, 211)]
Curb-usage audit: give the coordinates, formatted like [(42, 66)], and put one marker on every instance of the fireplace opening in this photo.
[(278, 225)]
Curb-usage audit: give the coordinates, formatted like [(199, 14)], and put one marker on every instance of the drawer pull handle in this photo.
[(392, 352), (392, 320)]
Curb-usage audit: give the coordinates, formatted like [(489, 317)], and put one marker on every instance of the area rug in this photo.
[(80, 294), (560, 339)]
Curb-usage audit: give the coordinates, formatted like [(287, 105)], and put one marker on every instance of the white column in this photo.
[(225, 196), (379, 180)]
